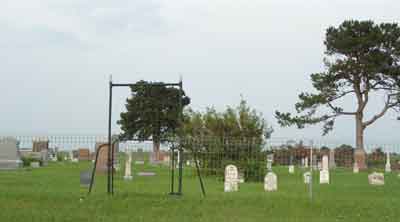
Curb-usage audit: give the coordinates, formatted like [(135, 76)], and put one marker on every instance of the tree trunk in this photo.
[(156, 150), (359, 153)]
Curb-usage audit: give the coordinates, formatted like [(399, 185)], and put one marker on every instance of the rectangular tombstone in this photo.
[(388, 166), (231, 183), (35, 164), (271, 182), (376, 179), (307, 177), (332, 163), (360, 157), (44, 157), (38, 146), (324, 177), (85, 178), (325, 162), (355, 168), (84, 154), (291, 169), (102, 162), (9, 154)]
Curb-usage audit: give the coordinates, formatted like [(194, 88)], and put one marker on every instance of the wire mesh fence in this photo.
[(248, 154)]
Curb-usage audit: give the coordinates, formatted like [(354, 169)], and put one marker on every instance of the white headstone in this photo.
[(307, 177), (376, 179), (324, 177), (356, 169), (271, 182), (388, 167), (128, 166), (231, 179), (270, 160), (306, 162), (325, 162), (291, 169), (35, 164), (319, 166)]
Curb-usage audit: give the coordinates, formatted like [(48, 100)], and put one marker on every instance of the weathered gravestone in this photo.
[(306, 162), (291, 166), (324, 177), (291, 169), (388, 166), (128, 166), (355, 168), (332, 163), (324, 173), (9, 154), (231, 179), (44, 157), (83, 154), (38, 146), (102, 161), (360, 158), (85, 178), (307, 177), (270, 160), (376, 179), (325, 162), (35, 164), (271, 182)]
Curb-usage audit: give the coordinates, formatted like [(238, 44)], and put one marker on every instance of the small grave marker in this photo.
[(231, 179)]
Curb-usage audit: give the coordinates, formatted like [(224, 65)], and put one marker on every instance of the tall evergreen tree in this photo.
[(153, 112)]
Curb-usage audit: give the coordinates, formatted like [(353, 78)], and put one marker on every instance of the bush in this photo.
[(26, 161)]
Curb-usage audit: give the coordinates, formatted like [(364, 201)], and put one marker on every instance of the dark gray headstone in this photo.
[(85, 178), (9, 154)]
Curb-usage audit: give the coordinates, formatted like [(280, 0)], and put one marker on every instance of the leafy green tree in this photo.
[(363, 60), (239, 123), (153, 112)]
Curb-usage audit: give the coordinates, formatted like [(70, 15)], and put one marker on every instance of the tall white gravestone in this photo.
[(306, 162), (324, 173), (325, 162), (307, 177), (9, 154), (231, 179), (291, 169), (128, 166), (388, 167), (271, 182)]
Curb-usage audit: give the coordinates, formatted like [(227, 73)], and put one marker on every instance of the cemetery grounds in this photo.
[(51, 194)]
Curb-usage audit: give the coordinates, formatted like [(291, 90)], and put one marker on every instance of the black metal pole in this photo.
[(94, 170), (172, 169), (109, 164), (203, 190), (112, 166), (180, 150)]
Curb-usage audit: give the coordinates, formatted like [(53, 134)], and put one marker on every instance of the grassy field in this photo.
[(53, 194)]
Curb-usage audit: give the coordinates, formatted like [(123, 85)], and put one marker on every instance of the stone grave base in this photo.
[(10, 164)]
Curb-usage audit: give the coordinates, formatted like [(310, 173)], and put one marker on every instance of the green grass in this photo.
[(53, 194)]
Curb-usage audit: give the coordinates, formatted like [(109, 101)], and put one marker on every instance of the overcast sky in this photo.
[(56, 57)]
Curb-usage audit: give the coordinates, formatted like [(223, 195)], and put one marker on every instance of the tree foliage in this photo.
[(362, 60), (239, 123), (153, 111)]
